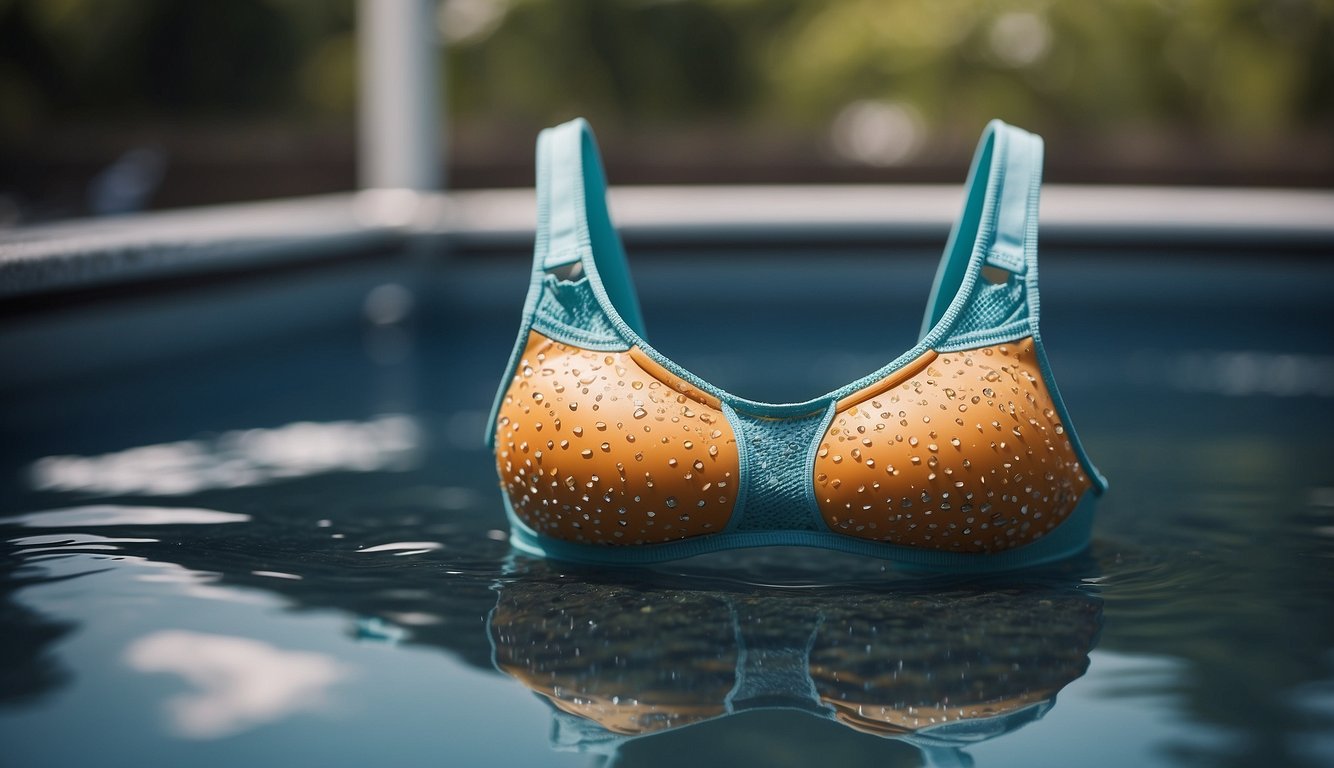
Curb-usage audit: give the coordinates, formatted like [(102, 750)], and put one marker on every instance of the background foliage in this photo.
[(1236, 91)]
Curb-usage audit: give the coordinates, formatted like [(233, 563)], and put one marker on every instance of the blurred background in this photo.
[(111, 106)]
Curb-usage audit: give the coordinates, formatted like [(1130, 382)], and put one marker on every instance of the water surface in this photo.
[(256, 523)]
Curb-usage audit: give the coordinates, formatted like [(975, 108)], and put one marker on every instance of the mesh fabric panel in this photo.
[(779, 477), (572, 305), (992, 306)]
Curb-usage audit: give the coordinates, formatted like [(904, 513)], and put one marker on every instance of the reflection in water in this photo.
[(940, 668), (619, 655), (28, 669), (236, 459), (242, 682)]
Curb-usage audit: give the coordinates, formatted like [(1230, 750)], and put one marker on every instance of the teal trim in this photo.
[(578, 337), (961, 245), (808, 471), (525, 324), (1070, 538), (1099, 481), (1005, 334), (743, 467)]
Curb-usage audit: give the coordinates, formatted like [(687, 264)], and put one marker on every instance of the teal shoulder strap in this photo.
[(997, 229), (575, 236), (580, 290), (1012, 234)]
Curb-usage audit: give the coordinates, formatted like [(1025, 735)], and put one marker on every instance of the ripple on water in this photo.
[(95, 515)]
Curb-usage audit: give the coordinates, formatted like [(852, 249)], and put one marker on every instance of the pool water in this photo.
[(253, 522)]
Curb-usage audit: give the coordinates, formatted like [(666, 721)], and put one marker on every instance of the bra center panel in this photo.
[(592, 448), (776, 471)]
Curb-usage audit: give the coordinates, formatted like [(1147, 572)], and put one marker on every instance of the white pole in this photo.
[(399, 102)]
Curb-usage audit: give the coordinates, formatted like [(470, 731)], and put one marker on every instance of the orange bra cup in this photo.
[(966, 455), (593, 448)]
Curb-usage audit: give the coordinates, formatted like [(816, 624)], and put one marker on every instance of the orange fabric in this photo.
[(968, 455), (593, 448)]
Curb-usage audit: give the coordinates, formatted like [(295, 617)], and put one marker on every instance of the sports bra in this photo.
[(957, 455)]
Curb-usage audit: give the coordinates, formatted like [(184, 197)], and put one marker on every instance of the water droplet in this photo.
[(587, 453), (836, 458), (713, 450), (578, 431), (606, 447), (640, 413), (954, 441), (671, 502)]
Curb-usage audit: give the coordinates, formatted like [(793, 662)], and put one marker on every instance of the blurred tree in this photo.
[(1231, 90)]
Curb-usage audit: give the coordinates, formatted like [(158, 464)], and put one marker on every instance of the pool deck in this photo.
[(102, 252)]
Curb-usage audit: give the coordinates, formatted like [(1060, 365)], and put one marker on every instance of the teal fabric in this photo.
[(573, 224), (777, 493), (581, 293), (998, 229), (1070, 537), (568, 311)]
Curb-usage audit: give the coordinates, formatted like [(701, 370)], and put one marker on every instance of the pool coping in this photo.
[(88, 253)]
